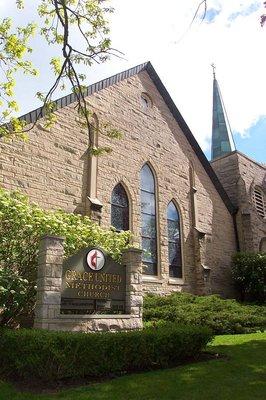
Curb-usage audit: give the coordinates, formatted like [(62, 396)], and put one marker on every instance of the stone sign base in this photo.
[(90, 323), (49, 285)]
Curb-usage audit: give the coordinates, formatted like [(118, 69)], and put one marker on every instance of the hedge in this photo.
[(21, 226), (249, 275), (222, 316), (31, 354)]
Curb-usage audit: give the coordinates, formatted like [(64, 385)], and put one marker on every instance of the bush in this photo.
[(21, 226), (249, 274), (222, 316), (37, 354)]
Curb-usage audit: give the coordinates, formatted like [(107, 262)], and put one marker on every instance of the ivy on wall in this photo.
[(22, 224)]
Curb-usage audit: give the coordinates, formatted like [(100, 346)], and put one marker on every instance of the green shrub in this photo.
[(37, 354), (222, 316), (249, 274), (21, 226)]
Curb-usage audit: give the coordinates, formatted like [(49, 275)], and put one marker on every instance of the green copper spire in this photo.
[(222, 139)]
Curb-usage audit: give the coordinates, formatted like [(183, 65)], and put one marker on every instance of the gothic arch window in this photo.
[(146, 102), (259, 201), (119, 208), (174, 241), (148, 221)]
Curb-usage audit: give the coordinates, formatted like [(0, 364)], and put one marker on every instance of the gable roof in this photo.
[(34, 115)]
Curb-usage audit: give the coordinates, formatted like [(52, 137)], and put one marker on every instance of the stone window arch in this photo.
[(259, 201), (146, 101), (148, 220), (174, 241), (119, 208)]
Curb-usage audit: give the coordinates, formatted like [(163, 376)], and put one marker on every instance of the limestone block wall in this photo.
[(153, 136), (239, 175), (253, 174), (52, 166), (53, 170)]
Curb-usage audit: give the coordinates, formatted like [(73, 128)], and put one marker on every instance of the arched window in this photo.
[(148, 221), (258, 199), (145, 101), (119, 208), (174, 241)]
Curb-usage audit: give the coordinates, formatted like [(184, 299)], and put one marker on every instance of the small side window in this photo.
[(119, 208), (174, 241), (146, 102)]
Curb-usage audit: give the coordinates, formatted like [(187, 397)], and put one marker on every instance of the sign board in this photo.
[(93, 283)]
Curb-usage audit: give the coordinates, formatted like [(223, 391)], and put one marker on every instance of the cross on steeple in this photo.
[(213, 70)]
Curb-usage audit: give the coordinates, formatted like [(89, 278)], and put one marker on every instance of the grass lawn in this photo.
[(242, 376)]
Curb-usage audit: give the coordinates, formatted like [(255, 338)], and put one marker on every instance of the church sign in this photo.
[(92, 283)]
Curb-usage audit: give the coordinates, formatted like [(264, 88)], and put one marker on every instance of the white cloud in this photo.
[(151, 30)]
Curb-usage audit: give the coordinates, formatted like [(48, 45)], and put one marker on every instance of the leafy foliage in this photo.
[(81, 29), (13, 50), (249, 274), (21, 226), (222, 316), (38, 354)]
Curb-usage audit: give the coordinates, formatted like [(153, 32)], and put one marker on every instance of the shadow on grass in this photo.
[(241, 375)]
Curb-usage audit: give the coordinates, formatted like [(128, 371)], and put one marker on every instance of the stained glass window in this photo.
[(119, 208), (174, 241), (148, 221)]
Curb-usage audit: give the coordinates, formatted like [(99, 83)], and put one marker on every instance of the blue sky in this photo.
[(253, 144), (231, 37), (211, 14)]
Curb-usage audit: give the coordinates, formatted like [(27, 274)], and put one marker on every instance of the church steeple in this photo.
[(222, 139)]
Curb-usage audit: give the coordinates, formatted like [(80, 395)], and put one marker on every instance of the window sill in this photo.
[(176, 281), (151, 279)]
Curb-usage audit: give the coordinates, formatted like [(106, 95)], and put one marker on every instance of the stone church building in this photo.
[(188, 215)]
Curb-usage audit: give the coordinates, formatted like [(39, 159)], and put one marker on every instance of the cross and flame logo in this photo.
[(95, 259)]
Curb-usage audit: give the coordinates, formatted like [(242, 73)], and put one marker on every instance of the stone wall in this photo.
[(153, 136), (239, 175), (53, 170), (52, 167)]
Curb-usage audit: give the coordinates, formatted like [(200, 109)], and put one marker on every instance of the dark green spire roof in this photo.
[(222, 139)]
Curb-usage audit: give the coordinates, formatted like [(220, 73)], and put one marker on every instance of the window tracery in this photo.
[(148, 221), (174, 241), (119, 208)]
